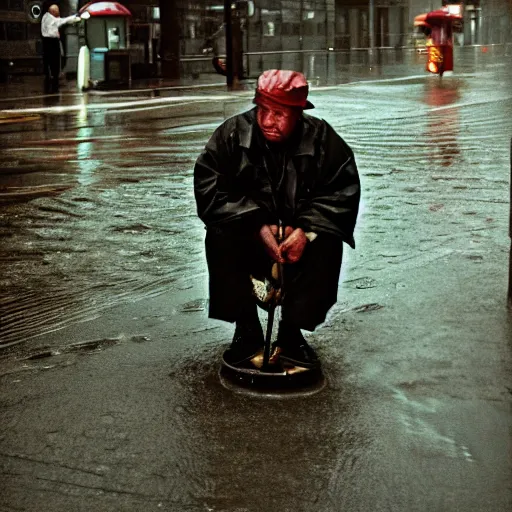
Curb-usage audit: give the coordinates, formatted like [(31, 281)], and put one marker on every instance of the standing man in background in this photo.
[(50, 25)]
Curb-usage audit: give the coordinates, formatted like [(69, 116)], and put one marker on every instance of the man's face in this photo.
[(277, 122), (54, 10)]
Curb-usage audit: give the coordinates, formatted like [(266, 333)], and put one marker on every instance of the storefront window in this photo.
[(16, 5), (271, 21), (269, 29), (15, 31)]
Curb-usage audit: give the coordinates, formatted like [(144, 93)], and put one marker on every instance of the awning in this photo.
[(105, 9)]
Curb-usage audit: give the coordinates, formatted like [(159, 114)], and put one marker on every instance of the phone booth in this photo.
[(104, 59), (438, 27)]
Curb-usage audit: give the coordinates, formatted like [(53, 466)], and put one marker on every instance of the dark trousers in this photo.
[(51, 63), (310, 285)]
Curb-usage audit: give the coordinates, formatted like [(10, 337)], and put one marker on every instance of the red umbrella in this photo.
[(105, 9), (420, 20), (441, 15)]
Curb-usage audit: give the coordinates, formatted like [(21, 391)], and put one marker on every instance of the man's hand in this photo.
[(287, 231), (267, 235), (293, 246)]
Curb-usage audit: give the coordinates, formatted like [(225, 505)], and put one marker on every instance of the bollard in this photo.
[(510, 235)]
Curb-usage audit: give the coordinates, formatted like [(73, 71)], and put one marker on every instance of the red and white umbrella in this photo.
[(104, 9)]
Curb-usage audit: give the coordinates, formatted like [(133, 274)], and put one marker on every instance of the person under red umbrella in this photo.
[(268, 166)]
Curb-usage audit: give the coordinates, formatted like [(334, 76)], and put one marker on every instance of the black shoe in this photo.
[(299, 355), (247, 342), (294, 348)]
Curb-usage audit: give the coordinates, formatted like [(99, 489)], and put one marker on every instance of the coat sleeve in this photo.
[(218, 202), (333, 202), (66, 21)]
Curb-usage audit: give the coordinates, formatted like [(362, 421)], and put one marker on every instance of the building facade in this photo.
[(265, 26)]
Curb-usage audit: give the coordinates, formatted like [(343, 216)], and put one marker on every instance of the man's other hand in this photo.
[(267, 235), (293, 246), (287, 231)]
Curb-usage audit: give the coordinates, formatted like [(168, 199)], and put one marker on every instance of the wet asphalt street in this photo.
[(110, 397)]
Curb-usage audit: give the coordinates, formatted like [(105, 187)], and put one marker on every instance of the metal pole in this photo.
[(371, 28), (326, 28), (510, 235), (301, 24), (276, 300), (247, 45), (228, 31), (170, 39), (268, 337), (301, 33), (237, 46)]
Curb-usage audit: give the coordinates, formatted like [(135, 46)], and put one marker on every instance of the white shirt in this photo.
[(50, 24)]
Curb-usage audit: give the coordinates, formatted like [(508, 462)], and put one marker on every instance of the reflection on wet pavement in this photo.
[(97, 203), (124, 229), (97, 210)]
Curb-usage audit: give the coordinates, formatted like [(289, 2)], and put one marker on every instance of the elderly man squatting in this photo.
[(274, 164)]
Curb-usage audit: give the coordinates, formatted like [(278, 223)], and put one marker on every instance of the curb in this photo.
[(18, 118)]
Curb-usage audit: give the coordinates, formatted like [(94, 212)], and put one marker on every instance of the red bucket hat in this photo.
[(288, 88)]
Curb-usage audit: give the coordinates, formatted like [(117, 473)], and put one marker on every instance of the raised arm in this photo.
[(67, 20)]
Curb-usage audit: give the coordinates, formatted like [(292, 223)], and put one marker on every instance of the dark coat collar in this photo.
[(247, 124)]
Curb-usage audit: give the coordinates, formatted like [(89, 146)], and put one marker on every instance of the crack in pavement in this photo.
[(48, 463)]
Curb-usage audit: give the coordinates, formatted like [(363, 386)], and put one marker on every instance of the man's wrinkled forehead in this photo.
[(267, 104)]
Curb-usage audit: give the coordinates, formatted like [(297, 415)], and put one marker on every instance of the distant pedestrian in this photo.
[(50, 25)]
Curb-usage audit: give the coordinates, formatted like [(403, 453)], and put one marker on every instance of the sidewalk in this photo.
[(129, 414), (126, 412), (27, 86), (23, 99)]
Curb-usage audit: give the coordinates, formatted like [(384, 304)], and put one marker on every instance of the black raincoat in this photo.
[(242, 182)]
